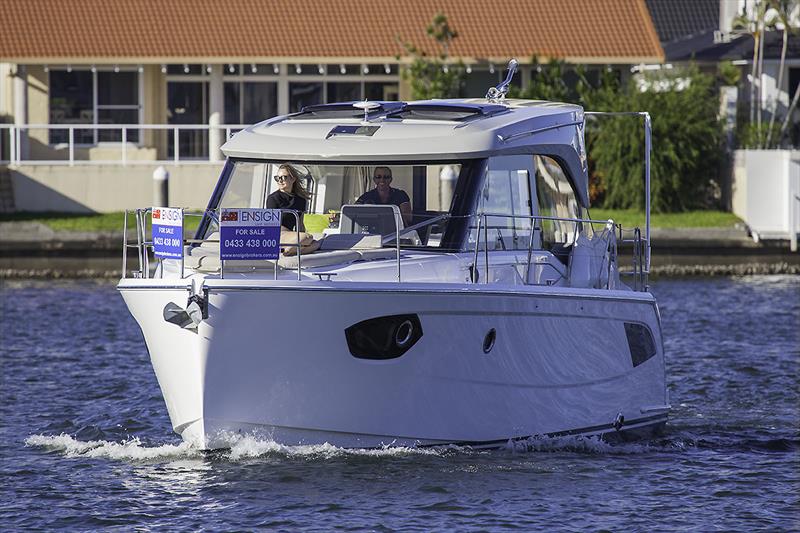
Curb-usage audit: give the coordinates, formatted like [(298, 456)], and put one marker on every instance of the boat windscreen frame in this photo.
[(463, 203)]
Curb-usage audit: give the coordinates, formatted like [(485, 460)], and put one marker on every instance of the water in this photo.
[(85, 441)]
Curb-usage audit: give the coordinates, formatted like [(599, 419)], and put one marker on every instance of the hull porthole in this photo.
[(488, 341)]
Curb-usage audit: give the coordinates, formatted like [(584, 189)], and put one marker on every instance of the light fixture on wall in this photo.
[(321, 68), (365, 69), (276, 69), (469, 69), (342, 69), (185, 68), (298, 69), (253, 68), (69, 68), (231, 68), (47, 68), (116, 68), (140, 69), (445, 68), (491, 68), (163, 69), (208, 69), (387, 68), (93, 69)]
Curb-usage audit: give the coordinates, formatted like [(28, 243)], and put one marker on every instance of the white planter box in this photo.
[(766, 193)]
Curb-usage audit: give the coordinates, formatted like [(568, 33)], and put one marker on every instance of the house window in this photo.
[(100, 97), (250, 102)]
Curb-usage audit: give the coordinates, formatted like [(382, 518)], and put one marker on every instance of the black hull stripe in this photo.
[(637, 423)]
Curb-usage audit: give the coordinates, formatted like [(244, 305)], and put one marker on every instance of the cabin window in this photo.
[(640, 341), (246, 185), (425, 191), (506, 193), (556, 198)]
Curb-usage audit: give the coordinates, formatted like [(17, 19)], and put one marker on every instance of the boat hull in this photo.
[(273, 360)]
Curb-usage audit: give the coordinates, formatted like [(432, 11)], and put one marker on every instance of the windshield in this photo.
[(428, 196)]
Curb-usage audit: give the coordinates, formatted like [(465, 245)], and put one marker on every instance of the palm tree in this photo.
[(753, 24), (782, 14)]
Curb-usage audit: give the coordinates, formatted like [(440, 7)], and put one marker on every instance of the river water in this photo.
[(85, 441)]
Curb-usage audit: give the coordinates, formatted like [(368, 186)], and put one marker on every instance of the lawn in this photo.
[(628, 218), (81, 223)]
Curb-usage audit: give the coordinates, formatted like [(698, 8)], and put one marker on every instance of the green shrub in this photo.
[(686, 150)]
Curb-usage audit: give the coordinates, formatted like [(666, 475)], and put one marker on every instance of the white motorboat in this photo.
[(498, 311)]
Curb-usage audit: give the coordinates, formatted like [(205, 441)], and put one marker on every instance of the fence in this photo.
[(123, 144)]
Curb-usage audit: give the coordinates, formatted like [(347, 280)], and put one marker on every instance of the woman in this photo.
[(290, 195)]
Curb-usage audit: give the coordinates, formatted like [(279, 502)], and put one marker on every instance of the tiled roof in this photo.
[(679, 19), (251, 30)]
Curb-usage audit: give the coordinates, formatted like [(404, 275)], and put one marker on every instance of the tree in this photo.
[(435, 77), (686, 152), (782, 15)]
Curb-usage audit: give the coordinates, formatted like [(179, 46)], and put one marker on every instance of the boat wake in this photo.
[(126, 450), (251, 447)]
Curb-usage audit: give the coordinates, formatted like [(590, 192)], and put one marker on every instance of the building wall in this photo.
[(108, 188), (38, 82), (6, 88)]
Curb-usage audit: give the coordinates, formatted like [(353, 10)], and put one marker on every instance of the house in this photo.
[(96, 93)]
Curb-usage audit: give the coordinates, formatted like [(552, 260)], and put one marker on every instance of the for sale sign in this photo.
[(167, 232), (249, 234)]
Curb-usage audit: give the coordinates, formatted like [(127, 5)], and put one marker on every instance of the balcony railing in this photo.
[(116, 144)]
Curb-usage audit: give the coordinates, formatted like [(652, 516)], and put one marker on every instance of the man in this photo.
[(383, 194)]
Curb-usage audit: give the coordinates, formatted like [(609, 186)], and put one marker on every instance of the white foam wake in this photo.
[(576, 444), (126, 450), (250, 447)]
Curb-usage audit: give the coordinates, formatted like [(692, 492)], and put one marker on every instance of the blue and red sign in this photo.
[(249, 234), (167, 232)]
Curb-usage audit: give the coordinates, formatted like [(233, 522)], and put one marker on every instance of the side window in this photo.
[(555, 198), (506, 191), (246, 186)]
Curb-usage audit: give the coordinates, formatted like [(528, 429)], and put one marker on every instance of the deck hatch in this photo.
[(344, 111), (362, 131), (447, 112)]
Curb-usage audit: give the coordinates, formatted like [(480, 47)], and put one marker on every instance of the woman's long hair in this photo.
[(297, 187)]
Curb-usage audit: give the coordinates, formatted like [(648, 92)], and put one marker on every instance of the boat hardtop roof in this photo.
[(439, 130)]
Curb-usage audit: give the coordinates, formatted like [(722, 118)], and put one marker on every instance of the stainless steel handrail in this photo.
[(611, 252), (142, 244)]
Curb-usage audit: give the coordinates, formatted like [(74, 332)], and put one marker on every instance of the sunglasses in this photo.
[(281, 179)]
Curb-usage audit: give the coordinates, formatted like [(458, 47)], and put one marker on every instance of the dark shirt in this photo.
[(282, 200), (396, 197)]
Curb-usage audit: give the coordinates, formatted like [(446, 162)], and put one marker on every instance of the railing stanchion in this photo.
[(474, 273), (647, 147), (183, 249), (12, 145), (72, 146), (124, 146), (486, 247), (139, 245), (125, 244), (299, 247), (530, 254)]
